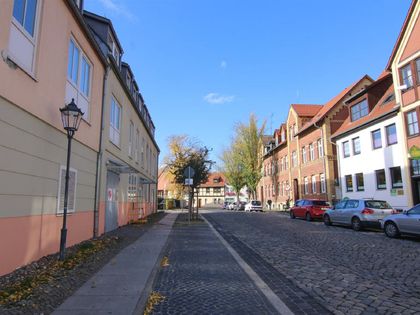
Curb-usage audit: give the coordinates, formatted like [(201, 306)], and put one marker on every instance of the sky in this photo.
[(203, 66)]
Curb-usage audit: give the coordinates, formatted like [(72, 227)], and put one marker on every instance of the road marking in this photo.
[(277, 303)]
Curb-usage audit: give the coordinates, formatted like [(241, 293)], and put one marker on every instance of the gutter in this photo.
[(98, 177)]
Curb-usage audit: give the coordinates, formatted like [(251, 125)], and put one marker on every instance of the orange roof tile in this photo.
[(331, 103), (381, 109), (306, 110), (210, 181)]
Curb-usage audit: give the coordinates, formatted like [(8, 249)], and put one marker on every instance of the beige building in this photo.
[(129, 154), (35, 81)]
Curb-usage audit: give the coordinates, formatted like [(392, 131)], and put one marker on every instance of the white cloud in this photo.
[(117, 8), (216, 98), (223, 64)]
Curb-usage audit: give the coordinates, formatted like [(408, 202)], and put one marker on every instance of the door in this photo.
[(337, 214), (111, 208), (295, 189)]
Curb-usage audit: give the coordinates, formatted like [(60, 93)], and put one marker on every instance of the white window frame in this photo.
[(114, 132), (61, 185), (313, 179), (320, 144), (311, 152), (322, 181), (304, 159), (31, 39), (305, 185), (137, 144), (131, 140), (77, 92)]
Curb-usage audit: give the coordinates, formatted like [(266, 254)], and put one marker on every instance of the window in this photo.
[(115, 122), (217, 190), (418, 70), (352, 204), (142, 153), (286, 163), (130, 139), (359, 110), (136, 152), (360, 186), (415, 167), (412, 123), (320, 148), (391, 134), (396, 179), (71, 201), (323, 186), (311, 152), (407, 76), (356, 145), (376, 139), (346, 149), (313, 184), (294, 159), (132, 188), (114, 49), (207, 191), (380, 179), (24, 11), (340, 205), (349, 183), (415, 210), (305, 187), (283, 136), (78, 78), (304, 155)]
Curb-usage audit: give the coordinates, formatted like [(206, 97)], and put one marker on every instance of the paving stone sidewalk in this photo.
[(121, 286), (203, 278)]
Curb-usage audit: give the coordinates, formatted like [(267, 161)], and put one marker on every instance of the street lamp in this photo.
[(71, 115)]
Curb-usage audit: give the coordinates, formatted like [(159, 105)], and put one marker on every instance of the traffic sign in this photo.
[(189, 172)]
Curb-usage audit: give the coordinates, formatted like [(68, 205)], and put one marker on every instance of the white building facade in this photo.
[(371, 163)]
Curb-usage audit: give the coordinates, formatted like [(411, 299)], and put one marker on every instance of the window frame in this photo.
[(313, 182), (354, 146), (380, 186), (305, 185), (358, 186), (322, 182), (373, 139), (131, 140), (414, 123), (394, 184), (387, 128), (359, 109), (348, 179), (346, 144), (304, 157), (112, 128), (403, 79), (311, 152), (320, 144)]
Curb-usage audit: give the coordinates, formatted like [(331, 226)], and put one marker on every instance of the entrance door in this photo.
[(296, 189), (111, 208)]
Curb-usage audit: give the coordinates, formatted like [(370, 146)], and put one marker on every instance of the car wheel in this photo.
[(356, 224), (292, 215), (327, 220), (308, 217), (391, 230)]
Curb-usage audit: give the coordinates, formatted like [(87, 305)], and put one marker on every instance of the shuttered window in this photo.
[(71, 204)]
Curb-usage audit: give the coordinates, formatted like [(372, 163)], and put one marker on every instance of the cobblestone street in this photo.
[(346, 271), (312, 268)]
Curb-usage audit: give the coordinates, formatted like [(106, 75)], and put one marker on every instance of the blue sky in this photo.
[(205, 65)]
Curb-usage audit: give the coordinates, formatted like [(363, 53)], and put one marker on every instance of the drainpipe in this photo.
[(98, 177)]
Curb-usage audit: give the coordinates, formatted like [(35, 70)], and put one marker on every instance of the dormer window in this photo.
[(283, 136), (114, 49), (359, 110), (128, 81)]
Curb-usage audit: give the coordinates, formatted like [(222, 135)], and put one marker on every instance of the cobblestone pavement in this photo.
[(346, 271), (203, 278)]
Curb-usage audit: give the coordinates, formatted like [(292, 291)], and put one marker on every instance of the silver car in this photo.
[(358, 213), (407, 222)]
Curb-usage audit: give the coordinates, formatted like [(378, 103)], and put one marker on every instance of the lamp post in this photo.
[(71, 115)]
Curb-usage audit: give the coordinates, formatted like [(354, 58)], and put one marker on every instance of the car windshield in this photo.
[(319, 203), (256, 203), (377, 204)]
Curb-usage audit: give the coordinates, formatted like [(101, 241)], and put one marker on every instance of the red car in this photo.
[(309, 209)]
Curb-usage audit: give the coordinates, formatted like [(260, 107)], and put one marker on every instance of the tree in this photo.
[(249, 140), (233, 168), (185, 152)]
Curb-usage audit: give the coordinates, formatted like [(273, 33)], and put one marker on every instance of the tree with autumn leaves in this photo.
[(185, 152)]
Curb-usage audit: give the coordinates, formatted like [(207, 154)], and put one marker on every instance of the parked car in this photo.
[(358, 213), (254, 205), (225, 205), (407, 223), (240, 206), (232, 206), (309, 209)]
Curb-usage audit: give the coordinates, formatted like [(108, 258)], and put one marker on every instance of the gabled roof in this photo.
[(306, 110), (385, 106), (331, 103), (210, 181), (401, 35)]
